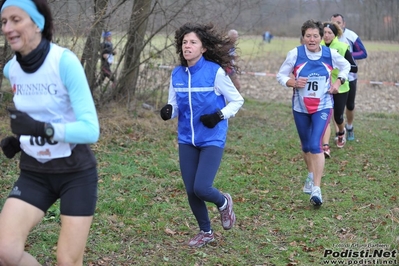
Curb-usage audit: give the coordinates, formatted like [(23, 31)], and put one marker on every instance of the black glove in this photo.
[(23, 124), (10, 146), (166, 112), (211, 120)]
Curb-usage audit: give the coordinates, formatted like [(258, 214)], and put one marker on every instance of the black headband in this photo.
[(332, 27)]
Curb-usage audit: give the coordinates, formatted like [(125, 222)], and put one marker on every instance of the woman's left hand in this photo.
[(334, 88), (211, 120)]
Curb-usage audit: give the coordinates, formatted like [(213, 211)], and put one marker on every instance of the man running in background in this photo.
[(107, 58), (233, 35), (358, 52)]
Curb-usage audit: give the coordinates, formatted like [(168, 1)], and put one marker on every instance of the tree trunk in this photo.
[(6, 55), (138, 24), (90, 54)]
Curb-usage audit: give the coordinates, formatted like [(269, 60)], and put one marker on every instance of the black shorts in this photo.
[(77, 191)]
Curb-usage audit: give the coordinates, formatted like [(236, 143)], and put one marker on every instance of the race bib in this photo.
[(315, 88), (110, 59), (42, 148)]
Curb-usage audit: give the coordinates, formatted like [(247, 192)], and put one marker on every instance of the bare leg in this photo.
[(306, 157), (317, 165), (340, 141), (17, 219), (336, 127), (350, 115), (341, 127), (72, 240)]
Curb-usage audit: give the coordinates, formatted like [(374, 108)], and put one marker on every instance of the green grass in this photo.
[(253, 46), (143, 217)]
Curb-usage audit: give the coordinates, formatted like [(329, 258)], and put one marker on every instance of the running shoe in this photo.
[(351, 134), (315, 197), (341, 140), (201, 239), (326, 150), (307, 188), (227, 216)]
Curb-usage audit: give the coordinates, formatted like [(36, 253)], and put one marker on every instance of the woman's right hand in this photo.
[(300, 82), (166, 112)]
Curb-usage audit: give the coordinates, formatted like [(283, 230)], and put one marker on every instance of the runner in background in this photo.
[(330, 39), (107, 58), (358, 52), (232, 72)]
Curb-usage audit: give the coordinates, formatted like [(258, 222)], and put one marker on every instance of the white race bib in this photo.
[(110, 59), (44, 149), (315, 88)]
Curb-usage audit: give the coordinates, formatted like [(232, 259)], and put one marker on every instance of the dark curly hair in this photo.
[(311, 24), (217, 45)]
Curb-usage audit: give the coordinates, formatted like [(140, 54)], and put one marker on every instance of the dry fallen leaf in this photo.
[(169, 232), (339, 217)]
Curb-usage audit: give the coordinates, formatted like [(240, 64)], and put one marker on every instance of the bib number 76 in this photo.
[(312, 85)]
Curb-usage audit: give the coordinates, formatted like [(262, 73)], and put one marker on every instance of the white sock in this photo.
[(310, 175), (224, 205), (349, 127), (315, 187)]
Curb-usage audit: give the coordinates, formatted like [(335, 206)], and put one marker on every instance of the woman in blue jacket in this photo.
[(203, 97)]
